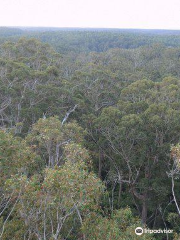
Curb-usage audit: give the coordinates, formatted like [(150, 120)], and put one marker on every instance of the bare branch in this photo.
[(68, 113)]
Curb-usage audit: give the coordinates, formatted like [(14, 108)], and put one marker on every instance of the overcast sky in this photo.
[(151, 14)]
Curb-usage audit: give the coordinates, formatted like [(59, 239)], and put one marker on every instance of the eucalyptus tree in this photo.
[(137, 136)]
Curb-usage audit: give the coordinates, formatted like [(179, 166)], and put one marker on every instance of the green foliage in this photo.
[(62, 193), (107, 105), (120, 226), (49, 136)]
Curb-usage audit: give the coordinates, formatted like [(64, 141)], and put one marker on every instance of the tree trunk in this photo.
[(144, 212), (100, 163), (119, 194), (143, 197)]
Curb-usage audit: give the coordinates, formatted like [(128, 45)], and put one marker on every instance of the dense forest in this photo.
[(89, 134)]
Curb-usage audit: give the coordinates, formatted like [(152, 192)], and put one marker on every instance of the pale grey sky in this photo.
[(159, 14)]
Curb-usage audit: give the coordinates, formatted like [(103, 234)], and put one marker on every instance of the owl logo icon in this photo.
[(139, 231)]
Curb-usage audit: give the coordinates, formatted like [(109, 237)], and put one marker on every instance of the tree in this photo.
[(54, 204), (48, 136), (120, 226), (16, 158), (138, 134)]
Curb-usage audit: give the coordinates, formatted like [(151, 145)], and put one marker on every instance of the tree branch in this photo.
[(68, 113)]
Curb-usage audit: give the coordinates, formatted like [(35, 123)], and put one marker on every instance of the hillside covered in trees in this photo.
[(89, 134)]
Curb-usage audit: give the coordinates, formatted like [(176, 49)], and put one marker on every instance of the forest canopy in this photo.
[(89, 134)]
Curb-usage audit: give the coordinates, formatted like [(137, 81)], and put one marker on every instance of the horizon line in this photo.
[(115, 28)]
